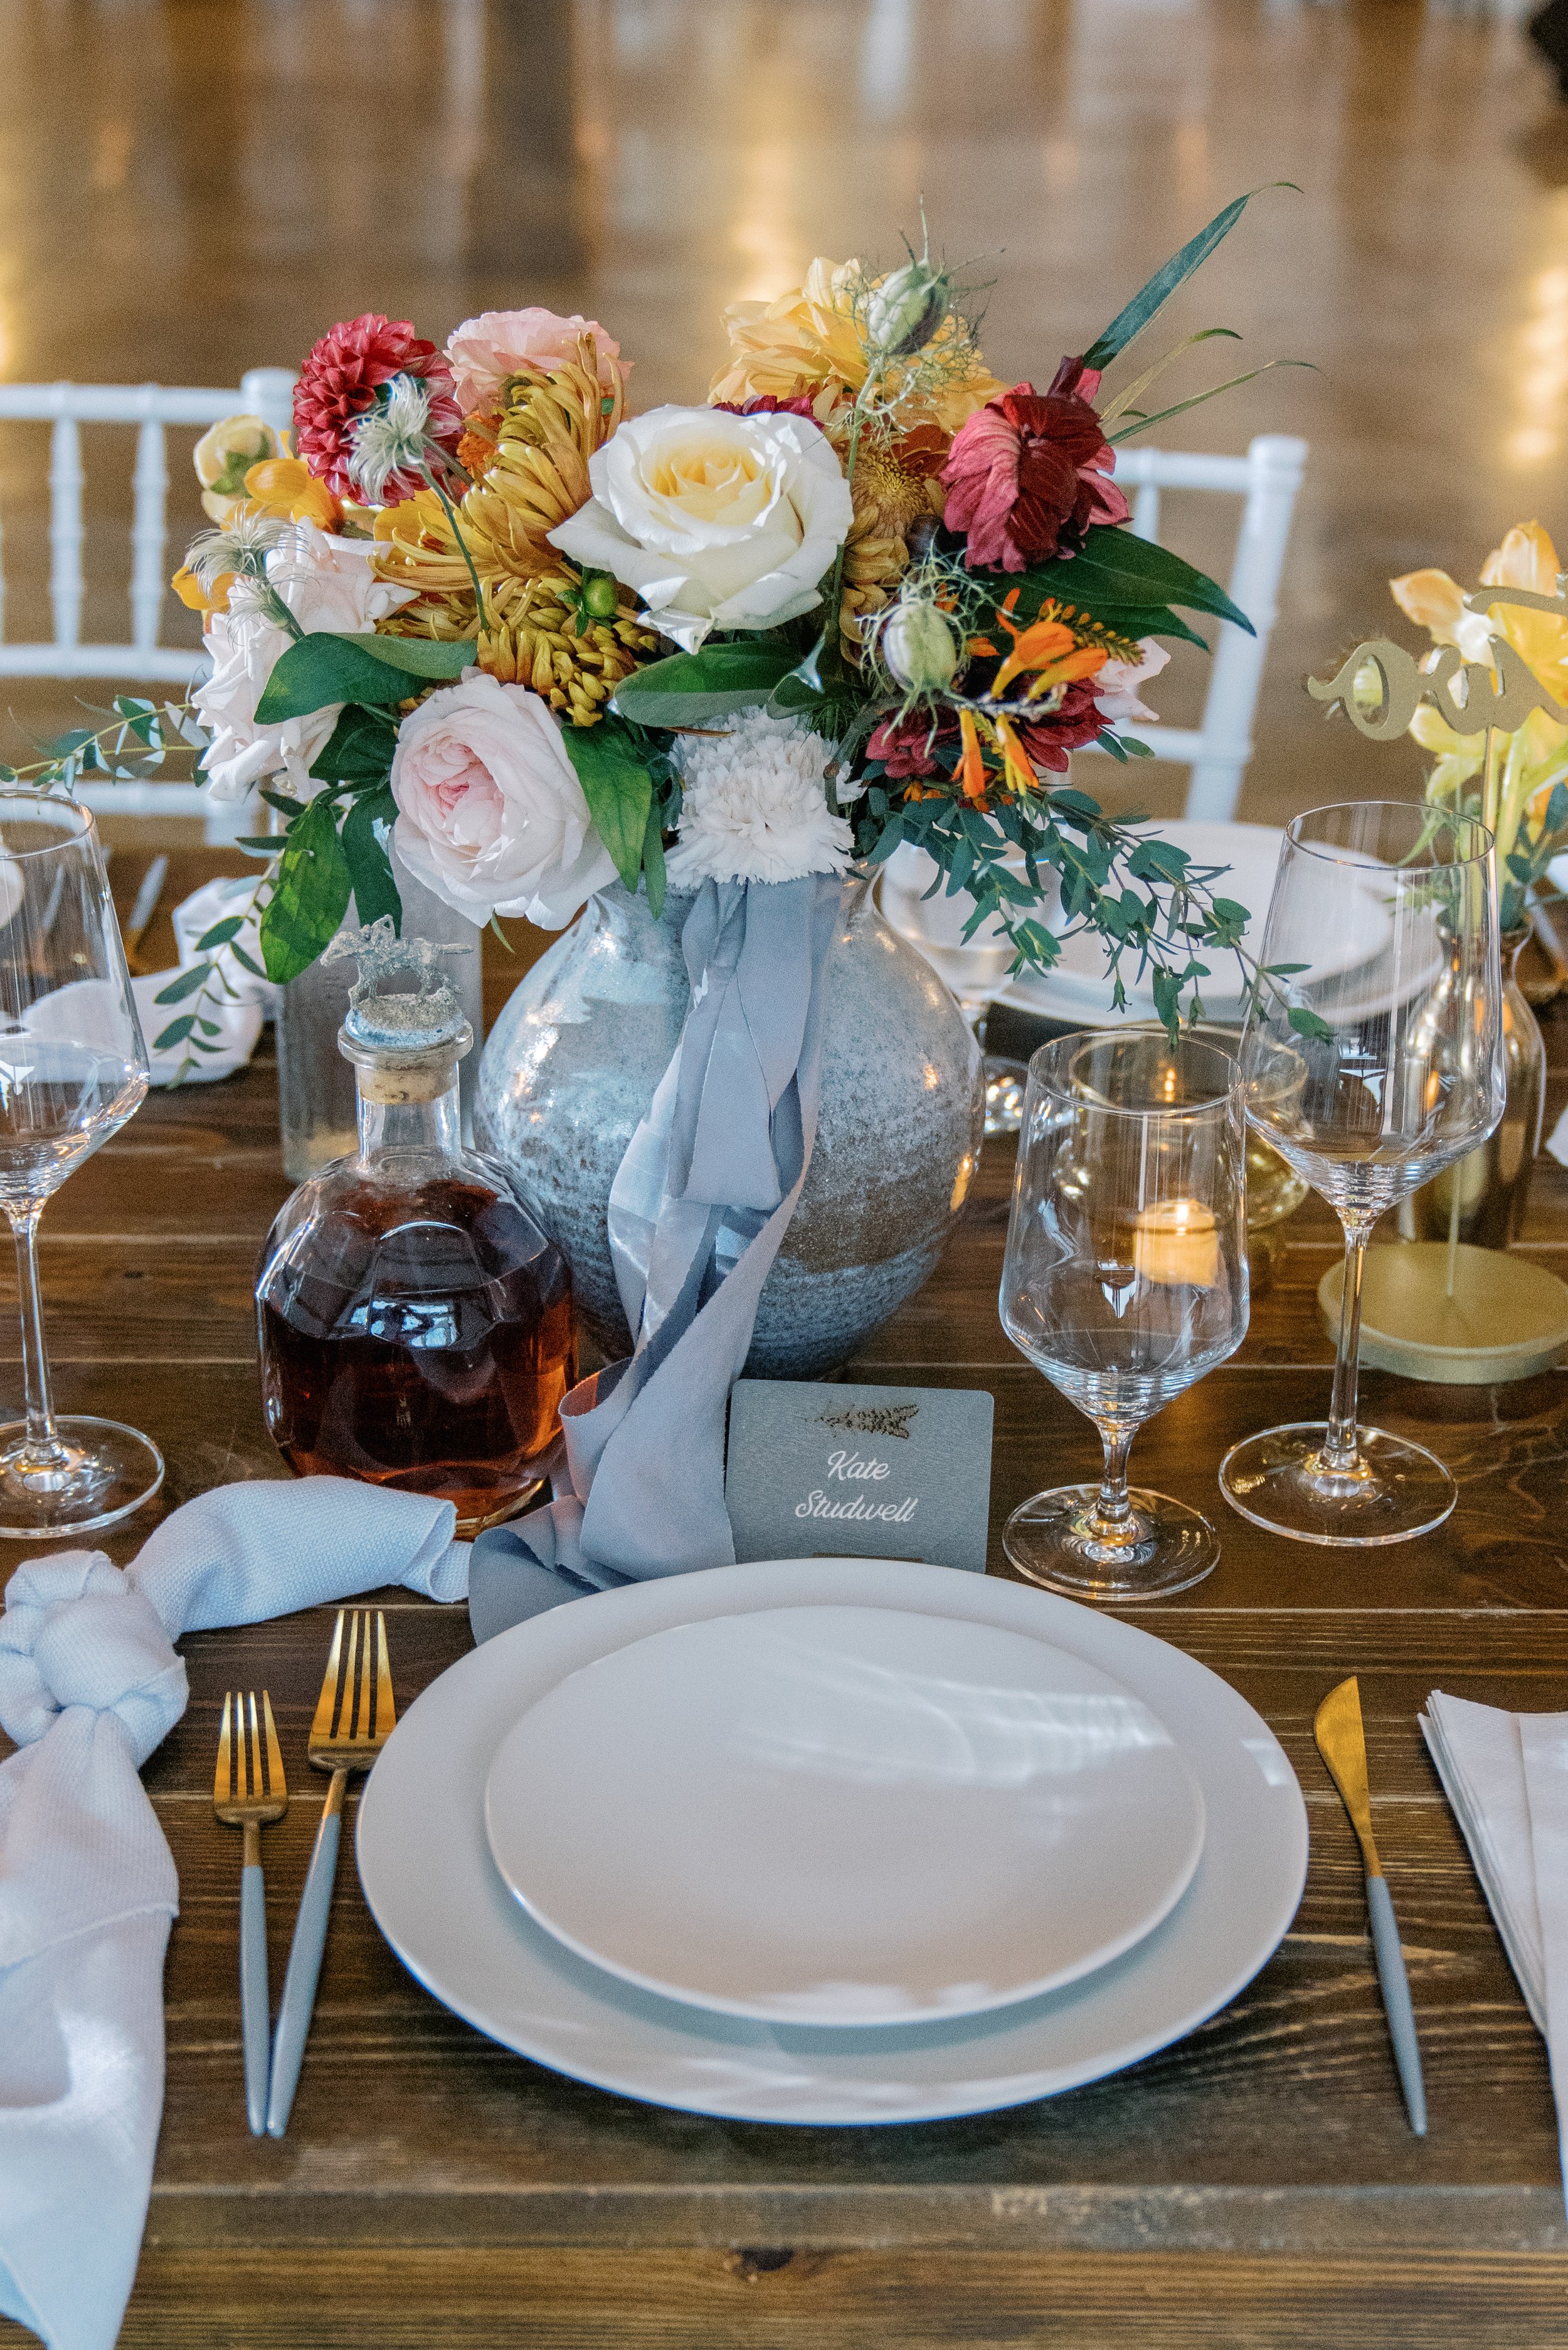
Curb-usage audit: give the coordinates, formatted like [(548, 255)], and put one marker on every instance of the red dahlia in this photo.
[(767, 403), (1049, 738), (339, 382), (1026, 477), (906, 745)]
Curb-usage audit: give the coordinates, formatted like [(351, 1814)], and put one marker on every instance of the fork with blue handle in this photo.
[(355, 1717), (249, 1791)]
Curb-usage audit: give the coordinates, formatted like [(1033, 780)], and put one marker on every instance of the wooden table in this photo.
[(1255, 2186)]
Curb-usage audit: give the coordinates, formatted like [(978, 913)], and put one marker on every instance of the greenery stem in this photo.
[(447, 508)]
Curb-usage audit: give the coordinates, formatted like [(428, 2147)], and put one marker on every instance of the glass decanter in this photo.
[(415, 1325)]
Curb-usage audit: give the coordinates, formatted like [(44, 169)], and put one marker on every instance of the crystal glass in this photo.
[(73, 1068), (1369, 1067), (1124, 1281)]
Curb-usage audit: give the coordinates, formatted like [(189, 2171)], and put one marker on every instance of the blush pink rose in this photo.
[(483, 351), (491, 815)]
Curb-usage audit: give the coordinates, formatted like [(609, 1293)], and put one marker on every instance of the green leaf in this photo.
[(358, 750), (618, 787), (1152, 297), (248, 963), (311, 894), (186, 984), (222, 932), (325, 667), (419, 655), (1180, 407), (692, 688), (370, 867), (176, 1031), (653, 862), (1308, 1023), (1117, 574)]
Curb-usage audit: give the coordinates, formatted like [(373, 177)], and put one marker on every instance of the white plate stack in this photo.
[(832, 1841)]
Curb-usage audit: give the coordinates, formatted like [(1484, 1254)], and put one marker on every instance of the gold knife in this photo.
[(1342, 1742)]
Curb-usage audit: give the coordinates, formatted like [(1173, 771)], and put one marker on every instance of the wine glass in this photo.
[(1367, 1076), (73, 1068), (1124, 1281)]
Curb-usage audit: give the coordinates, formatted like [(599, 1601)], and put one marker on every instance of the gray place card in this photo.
[(817, 1471)]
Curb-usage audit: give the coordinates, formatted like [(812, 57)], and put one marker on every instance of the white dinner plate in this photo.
[(1076, 988), (844, 1816), (437, 1896)]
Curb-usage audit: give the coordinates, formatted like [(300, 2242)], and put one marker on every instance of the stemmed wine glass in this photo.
[(1368, 1076), (1125, 1280), (73, 1068)]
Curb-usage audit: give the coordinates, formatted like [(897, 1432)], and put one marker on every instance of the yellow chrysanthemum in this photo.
[(530, 632), (813, 335)]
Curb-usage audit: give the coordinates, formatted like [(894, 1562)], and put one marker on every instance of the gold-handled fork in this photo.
[(354, 1719), (249, 1791)]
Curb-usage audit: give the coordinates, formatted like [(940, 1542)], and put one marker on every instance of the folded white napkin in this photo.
[(238, 1008), (1506, 1775), (89, 1684)]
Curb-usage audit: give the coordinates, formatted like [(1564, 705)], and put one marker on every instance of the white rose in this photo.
[(718, 521), (327, 583), (1116, 684), (491, 815)]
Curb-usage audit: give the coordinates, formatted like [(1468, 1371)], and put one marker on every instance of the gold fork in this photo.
[(354, 1719), (245, 1794)]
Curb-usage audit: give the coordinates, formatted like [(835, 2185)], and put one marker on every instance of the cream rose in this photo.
[(491, 815), (327, 583), (718, 521), (225, 455), (483, 351)]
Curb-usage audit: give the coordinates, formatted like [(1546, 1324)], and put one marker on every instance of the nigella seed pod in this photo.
[(906, 309), (920, 648), (599, 593)]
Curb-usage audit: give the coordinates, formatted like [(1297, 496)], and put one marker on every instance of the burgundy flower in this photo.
[(767, 403), (1049, 738), (1026, 477), (907, 744), (339, 379)]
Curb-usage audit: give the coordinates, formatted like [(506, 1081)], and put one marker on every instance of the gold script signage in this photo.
[(1493, 699)]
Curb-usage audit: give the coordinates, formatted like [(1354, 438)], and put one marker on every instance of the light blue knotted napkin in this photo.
[(697, 1212), (89, 1684)]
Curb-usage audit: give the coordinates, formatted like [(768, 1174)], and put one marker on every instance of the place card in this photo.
[(816, 1469)]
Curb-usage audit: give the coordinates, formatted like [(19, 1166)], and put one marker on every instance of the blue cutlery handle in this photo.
[(304, 1966), (1397, 2001), (254, 2021)]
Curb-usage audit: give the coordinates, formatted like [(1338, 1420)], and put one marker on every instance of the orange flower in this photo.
[(971, 761), (1021, 776), (194, 597), (1049, 647), (286, 487)]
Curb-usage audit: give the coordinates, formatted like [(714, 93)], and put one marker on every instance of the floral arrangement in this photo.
[(1515, 781), (867, 593)]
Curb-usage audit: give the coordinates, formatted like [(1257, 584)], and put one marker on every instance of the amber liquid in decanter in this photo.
[(415, 1325)]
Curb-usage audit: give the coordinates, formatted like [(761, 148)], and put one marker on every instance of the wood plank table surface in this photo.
[(1256, 2185)]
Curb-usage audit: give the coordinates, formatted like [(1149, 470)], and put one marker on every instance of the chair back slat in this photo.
[(1267, 480), (66, 531), (149, 534)]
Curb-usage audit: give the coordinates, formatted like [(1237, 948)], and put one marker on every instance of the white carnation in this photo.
[(755, 805)]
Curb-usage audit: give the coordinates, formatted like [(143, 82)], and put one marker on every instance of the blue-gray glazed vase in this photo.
[(571, 1066)]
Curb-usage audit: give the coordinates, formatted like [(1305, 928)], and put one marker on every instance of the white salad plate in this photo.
[(436, 1894), (844, 1816)]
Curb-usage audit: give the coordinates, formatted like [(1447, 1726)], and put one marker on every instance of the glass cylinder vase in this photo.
[(1490, 1190), (317, 1107)]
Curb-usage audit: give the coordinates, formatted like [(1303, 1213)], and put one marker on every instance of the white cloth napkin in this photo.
[(237, 1013), (89, 1684), (1506, 1775)]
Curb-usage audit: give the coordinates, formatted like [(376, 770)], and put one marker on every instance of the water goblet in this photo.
[(1372, 1060), (73, 1068), (1124, 1281)]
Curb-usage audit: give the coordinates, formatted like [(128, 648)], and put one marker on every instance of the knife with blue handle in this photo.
[(1342, 1742)]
